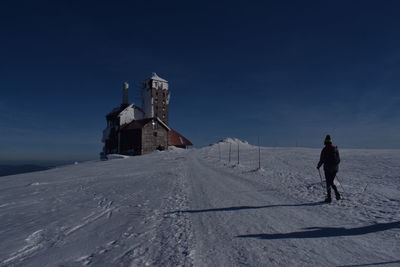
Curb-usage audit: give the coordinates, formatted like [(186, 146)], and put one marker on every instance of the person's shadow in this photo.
[(318, 232), (235, 208)]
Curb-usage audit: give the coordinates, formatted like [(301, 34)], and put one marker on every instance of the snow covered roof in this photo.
[(163, 123), (131, 106), (118, 111), (155, 77)]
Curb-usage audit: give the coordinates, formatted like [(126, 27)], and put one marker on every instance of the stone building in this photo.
[(133, 130)]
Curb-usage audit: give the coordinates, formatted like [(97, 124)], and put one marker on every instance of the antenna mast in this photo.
[(125, 94)]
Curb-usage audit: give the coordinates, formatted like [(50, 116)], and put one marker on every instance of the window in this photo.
[(155, 133)]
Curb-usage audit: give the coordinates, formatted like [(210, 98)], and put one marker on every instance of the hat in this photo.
[(328, 140)]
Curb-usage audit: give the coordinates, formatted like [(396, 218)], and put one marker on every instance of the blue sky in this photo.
[(288, 71)]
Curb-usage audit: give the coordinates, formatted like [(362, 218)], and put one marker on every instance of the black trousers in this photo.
[(329, 177)]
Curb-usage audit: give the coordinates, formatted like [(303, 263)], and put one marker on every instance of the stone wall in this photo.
[(154, 138)]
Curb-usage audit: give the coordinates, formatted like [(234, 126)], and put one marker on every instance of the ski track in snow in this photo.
[(191, 208)]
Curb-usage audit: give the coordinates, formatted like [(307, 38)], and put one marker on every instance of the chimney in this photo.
[(125, 95)]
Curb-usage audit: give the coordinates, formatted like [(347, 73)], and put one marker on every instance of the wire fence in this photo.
[(236, 152)]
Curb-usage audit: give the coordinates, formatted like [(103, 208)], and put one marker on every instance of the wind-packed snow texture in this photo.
[(193, 208)]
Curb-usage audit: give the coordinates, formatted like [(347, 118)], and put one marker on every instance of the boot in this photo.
[(328, 199), (337, 195)]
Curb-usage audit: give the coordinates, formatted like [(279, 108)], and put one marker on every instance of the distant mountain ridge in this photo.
[(18, 169)]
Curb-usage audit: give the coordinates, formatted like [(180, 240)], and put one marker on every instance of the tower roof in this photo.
[(155, 77)]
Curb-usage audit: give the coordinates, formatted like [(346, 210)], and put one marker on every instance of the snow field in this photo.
[(290, 174), (188, 208), (98, 213), (370, 178)]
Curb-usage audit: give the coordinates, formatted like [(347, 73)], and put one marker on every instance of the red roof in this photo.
[(176, 139)]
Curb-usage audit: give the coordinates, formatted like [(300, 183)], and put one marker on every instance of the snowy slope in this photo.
[(191, 208)]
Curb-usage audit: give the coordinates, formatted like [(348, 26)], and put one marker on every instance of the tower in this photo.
[(156, 98), (125, 94)]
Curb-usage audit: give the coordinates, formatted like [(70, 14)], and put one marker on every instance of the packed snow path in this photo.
[(238, 221), (192, 208)]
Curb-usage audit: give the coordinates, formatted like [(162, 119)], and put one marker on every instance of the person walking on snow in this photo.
[(330, 159)]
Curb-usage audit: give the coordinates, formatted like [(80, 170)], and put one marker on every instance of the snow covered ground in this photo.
[(193, 208)]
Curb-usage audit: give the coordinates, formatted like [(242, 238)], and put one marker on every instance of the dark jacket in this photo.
[(329, 158)]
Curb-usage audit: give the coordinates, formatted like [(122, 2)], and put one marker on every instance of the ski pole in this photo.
[(320, 176), (340, 184)]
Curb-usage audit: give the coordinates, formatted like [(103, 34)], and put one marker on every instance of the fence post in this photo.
[(259, 154), (230, 144), (219, 152), (238, 153)]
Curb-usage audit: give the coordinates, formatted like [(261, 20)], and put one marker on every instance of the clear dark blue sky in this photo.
[(289, 71)]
